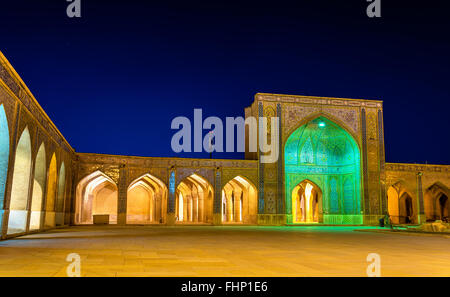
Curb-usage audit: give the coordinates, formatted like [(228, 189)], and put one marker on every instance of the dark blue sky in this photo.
[(113, 80)]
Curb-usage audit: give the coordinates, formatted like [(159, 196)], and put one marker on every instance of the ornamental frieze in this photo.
[(417, 167), (164, 162), (318, 100)]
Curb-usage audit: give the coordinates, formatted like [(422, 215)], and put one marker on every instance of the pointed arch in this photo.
[(314, 117), (20, 185), (50, 197), (40, 177), (147, 201), (401, 204), (96, 194), (436, 202), (196, 195), (406, 209), (323, 150), (307, 204), (4, 158), (59, 216), (239, 201)]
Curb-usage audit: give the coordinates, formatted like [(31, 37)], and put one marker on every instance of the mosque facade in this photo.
[(331, 171)]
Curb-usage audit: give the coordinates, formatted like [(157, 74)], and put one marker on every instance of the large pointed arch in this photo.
[(194, 200), (4, 158), (59, 216), (327, 153), (147, 201), (20, 185), (96, 194), (40, 177), (52, 180)]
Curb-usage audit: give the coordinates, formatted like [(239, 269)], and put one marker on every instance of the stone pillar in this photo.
[(194, 204), (171, 199), (201, 207), (217, 205), (421, 209), (382, 163), (122, 195), (237, 205), (229, 199), (8, 188), (151, 216), (260, 171), (31, 181), (365, 207), (281, 203), (187, 201)]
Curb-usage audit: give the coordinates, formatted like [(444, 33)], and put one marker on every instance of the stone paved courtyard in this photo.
[(224, 251)]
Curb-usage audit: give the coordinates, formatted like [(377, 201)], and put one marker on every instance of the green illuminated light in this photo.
[(329, 157)]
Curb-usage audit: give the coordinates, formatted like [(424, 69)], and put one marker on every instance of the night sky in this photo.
[(113, 80)]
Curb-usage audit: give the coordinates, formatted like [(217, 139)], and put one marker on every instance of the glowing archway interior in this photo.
[(146, 201), (239, 202), (194, 197), (40, 172), (59, 219), (21, 181), (4, 158), (97, 194), (437, 203), (326, 154), (51, 194), (307, 203), (401, 206)]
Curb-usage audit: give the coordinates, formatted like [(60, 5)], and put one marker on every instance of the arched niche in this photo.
[(147, 201), (40, 177), (401, 204), (4, 158), (20, 185), (59, 218), (239, 202), (96, 194), (52, 180), (436, 202), (194, 200)]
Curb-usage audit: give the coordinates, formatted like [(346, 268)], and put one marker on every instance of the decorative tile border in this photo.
[(319, 100)]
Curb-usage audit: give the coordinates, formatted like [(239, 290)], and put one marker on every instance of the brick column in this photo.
[(122, 201), (366, 206), (171, 198), (217, 205), (421, 217)]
